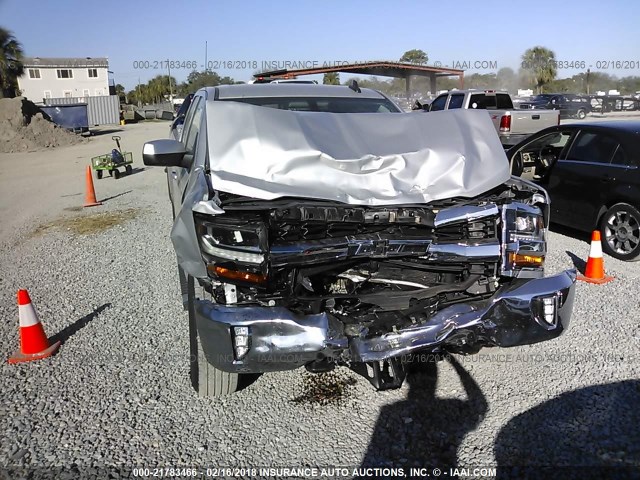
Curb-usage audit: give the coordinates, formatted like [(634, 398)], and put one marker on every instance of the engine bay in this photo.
[(376, 269)]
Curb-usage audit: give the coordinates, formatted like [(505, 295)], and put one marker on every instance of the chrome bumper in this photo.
[(283, 340)]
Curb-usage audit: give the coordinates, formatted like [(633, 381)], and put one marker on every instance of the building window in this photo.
[(47, 94), (34, 73), (99, 92), (93, 72), (86, 93), (65, 73), (67, 93)]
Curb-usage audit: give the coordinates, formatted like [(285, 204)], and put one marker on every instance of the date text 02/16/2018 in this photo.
[(583, 64)]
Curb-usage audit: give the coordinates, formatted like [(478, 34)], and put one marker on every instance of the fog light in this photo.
[(549, 310), (545, 310), (244, 331), (240, 341), (241, 352)]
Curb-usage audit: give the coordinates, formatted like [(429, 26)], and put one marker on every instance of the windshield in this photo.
[(329, 104)]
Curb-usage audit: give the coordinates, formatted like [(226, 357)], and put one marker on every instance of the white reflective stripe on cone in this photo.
[(596, 249), (28, 315)]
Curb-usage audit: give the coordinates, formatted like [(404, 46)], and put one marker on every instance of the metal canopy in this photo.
[(379, 68)]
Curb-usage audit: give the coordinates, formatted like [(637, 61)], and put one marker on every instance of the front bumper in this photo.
[(281, 340)]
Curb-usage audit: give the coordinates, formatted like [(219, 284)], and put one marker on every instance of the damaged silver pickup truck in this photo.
[(319, 226)]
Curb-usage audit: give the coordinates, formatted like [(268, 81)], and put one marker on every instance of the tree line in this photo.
[(161, 87)]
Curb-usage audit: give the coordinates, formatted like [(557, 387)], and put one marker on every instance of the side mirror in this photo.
[(164, 153)]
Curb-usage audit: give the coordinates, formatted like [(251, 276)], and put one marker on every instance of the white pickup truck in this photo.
[(512, 125)]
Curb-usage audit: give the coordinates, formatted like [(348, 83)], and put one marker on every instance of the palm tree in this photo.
[(10, 63), (121, 93), (331, 78), (540, 63)]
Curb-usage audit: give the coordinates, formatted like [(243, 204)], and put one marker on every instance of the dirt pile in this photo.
[(23, 128)]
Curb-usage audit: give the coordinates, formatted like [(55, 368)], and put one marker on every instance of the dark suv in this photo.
[(592, 174), (569, 104)]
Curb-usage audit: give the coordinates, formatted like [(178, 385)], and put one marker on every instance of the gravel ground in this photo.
[(118, 394)]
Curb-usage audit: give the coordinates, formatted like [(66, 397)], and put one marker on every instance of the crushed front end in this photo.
[(295, 282)]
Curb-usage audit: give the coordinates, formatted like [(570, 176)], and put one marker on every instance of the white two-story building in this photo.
[(64, 77)]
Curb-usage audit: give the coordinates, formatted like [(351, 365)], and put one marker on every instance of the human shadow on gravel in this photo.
[(593, 432), (108, 131), (571, 232), (63, 335), (424, 430)]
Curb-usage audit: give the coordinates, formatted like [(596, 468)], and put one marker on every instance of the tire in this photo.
[(116, 174), (99, 174), (620, 230), (581, 114), (206, 379), (128, 169)]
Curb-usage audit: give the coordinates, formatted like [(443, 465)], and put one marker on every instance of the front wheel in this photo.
[(581, 114), (620, 229), (206, 379), (99, 174)]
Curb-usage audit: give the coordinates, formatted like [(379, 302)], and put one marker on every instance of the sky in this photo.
[(139, 35)]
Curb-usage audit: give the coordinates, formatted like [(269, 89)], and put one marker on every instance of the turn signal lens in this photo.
[(237, 275), (521, 260)]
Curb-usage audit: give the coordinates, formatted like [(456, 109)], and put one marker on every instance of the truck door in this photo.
[(439, 103), (178, 176)]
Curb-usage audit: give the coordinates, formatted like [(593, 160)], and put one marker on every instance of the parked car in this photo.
[(332, 229), (262, 80), (512, 125), (295, 80), (614, 103), (568, 104), (592, 174)]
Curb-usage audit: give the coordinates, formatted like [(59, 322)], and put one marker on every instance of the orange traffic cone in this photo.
[(90, 197), (34, 344), (594, 273)]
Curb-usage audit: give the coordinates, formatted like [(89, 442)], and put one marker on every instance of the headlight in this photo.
[(528, 223), (233, 248), (527, 226), (524, 237)]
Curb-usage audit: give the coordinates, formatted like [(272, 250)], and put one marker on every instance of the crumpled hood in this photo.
[(354, 158)]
